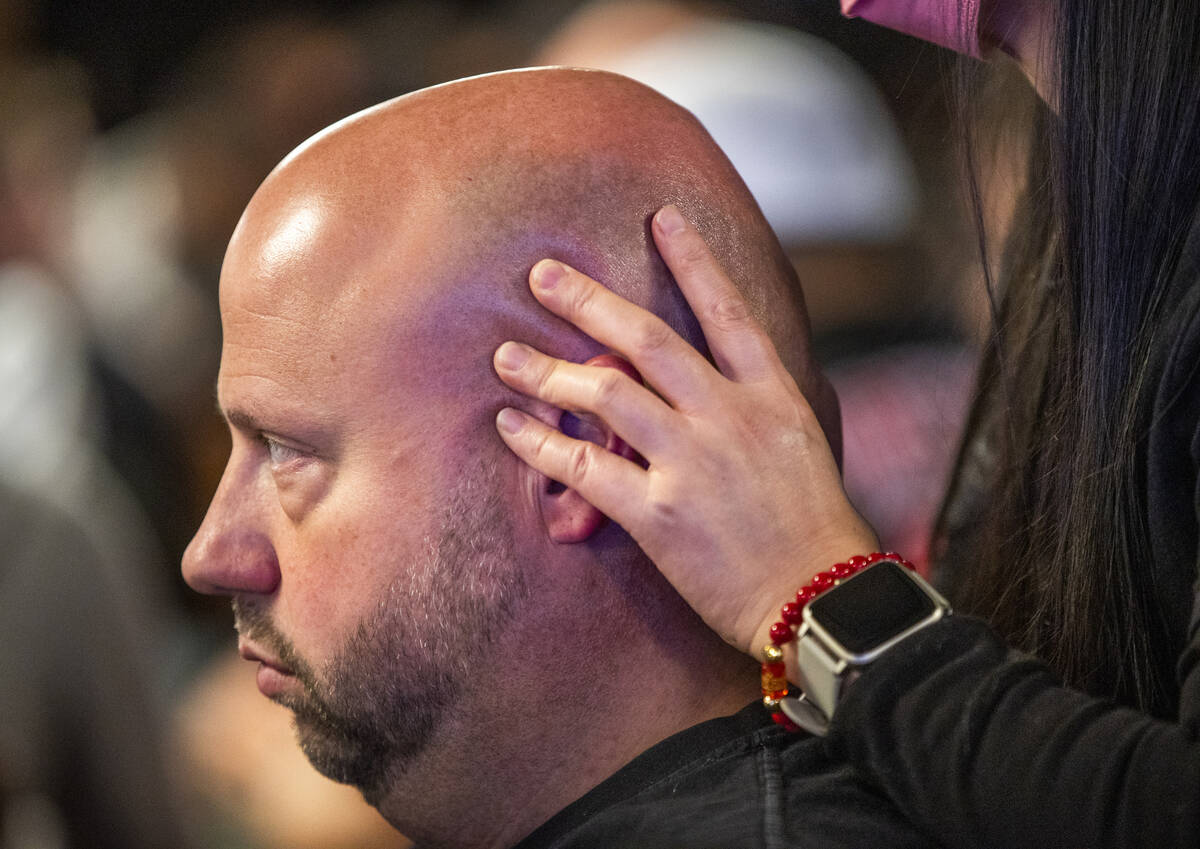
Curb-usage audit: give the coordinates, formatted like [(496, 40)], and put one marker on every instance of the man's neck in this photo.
[(559, 722)]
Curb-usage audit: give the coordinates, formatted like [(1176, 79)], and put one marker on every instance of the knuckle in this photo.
[(663, 513), (542, 379), (730, 310), (607, 387), (540, 445), (654, 336), (694, 255), (580, 297), (579, 461)]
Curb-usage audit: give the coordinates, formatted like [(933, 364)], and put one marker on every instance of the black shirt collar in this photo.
[(673, 753)]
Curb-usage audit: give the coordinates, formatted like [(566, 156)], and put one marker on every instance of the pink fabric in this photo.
[(950, 23)]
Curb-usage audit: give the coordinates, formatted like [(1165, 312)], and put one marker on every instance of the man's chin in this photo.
[(336, 752), (364, 749), (358, 763)]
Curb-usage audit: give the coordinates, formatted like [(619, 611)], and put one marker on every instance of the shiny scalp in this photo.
[(481, 178)]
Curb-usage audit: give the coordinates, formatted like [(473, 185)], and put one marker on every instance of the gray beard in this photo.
[(380, 700)]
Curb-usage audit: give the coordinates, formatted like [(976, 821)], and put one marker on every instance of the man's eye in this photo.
[(280, 453)]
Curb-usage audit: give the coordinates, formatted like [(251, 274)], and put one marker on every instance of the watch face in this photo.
[(872, 607)]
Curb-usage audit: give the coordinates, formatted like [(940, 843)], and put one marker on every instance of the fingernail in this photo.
[(512, 355), (669, 220), (509, 420), (548, 273)]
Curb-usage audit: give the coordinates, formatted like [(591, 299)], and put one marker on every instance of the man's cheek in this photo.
[(339, 571)]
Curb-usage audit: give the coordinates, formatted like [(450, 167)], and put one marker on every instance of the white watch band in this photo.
[(825, 666)]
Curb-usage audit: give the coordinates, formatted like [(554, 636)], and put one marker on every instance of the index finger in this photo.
[(739, 345), (666, 361)]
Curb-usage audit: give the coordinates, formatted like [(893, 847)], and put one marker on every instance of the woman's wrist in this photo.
[(836, 624), (773, 598)]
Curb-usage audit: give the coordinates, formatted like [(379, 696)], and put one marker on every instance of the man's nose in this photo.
[(231, 553)]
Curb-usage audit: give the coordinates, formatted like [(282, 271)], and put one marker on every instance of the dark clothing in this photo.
[(982, 747), (737, 781)]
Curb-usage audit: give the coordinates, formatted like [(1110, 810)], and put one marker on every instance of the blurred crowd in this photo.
[(126, 719)]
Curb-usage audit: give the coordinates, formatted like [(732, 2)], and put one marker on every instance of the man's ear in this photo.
[(568, 517)]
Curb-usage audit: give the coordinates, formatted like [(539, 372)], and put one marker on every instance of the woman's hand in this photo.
[(741, 500)]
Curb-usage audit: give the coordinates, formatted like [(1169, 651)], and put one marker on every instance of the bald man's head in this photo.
[(446, 198), (390, 561)]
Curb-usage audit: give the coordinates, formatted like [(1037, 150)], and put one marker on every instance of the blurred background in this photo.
[(132, 134)]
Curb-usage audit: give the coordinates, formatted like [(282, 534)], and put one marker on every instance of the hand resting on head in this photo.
[(740, 498)]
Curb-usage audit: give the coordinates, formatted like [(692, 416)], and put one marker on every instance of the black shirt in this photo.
[(736, 781)]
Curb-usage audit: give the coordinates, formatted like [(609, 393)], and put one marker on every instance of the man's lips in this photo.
[(249, 651), (273, 677)]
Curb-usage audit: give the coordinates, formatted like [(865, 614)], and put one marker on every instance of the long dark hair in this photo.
[(1059, 556)]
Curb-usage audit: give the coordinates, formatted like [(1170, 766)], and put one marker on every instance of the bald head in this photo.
[(431, 209)]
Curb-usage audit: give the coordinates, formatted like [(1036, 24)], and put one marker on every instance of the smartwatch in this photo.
[(848, 627)]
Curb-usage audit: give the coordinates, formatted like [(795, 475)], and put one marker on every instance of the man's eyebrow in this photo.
[(241, 420)]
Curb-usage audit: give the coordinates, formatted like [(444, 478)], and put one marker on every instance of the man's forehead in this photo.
[(318, 251), (316, 322)]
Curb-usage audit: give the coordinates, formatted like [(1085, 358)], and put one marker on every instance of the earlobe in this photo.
[(569, 518)]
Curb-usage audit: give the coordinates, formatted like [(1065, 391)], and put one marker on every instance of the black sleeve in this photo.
[(981, 746)]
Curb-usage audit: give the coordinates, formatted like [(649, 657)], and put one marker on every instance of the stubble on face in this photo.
[(378, 702)]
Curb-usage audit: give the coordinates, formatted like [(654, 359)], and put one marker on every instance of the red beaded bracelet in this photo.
[(774, 671)]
